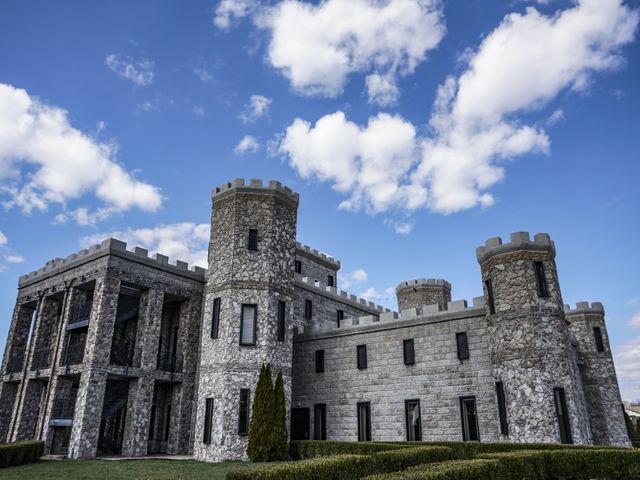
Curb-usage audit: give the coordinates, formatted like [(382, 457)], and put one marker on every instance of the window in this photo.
[(362, 357), (298, 266), (319, 361), (364, 422), (320, 421), (248, 322), (563, 415), (490, 300), (412, 414), (339, 317), (597, 333), (167, 423), (282, 308), (253, 239), (152, 422), (208, 420), (541, 280), (308, 309), (409, 354), (469, 419), (463, 345), (215, 318), (330, 280), (502, 409), (243, 415)]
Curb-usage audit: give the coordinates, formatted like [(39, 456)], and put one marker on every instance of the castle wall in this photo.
[(315, 265)]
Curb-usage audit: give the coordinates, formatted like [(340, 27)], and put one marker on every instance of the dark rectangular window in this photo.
[(152, 423), (298, 265), (490, 300), (414, 424), (208, 420), (282, 328), (253, 239), (597, 333), (215, 318), (563, 415), (362, 357), (364, 422), (502, 409), (339, 317), (308, 309), (541, 280), (319, 361), (463, 345), (320, 421), (243, 414), (248, 324), (469, 419), (409, 354), (330, 280), (167, 423)]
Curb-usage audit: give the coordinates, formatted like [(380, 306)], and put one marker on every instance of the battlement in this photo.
[(317, 255), (255, 185), (584, 307), (423, 283), (111, 246), (341, 295), (519, 241)]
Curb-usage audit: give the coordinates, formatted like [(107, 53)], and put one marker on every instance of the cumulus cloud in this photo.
[(518, 68), (13, 258), (248, 144), (634, 322), (355, 277), (140, 72), (399, 226), (44, 160), (179, 241), (7, 255), (385, 296), (317, 47), (257, 107), (555, 117), (627, 358), (230, 10), (198, 110)]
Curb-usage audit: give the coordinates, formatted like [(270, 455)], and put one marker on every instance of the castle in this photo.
[(113, 351)]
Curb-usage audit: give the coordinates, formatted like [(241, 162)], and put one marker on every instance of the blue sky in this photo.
[(412, 129)]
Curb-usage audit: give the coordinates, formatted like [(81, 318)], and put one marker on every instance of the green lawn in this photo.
[(121, 469)]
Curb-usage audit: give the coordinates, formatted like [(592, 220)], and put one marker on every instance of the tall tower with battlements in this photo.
[(247, 310)]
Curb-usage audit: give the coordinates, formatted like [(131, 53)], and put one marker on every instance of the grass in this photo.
[(121, 470)]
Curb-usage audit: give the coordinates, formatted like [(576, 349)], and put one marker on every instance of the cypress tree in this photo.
[(261, 424), (279, 444)]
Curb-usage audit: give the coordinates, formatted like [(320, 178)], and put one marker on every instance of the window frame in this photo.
[(319, 361), (491, 301), (409, 356), (297, 267), (308, 309), (320, 433), (255, 324), (597, 335), (463, 353), (339, 317), (215, 317), (562, 413), (208, 421), (365, 436), (541, 279), (243, 423), (502, 409), (362, 363), (282, 321), (252, 241), (466, 432), (416, 402), (330, 281)]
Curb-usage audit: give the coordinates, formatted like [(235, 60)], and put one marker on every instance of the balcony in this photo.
[(170, 363), (79, 315), (74, 354), (122, 349), (41, 359), (15, 363), (63, 408)]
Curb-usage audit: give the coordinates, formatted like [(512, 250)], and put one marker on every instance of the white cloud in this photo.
[(3, 239), (518, 68), (356, 277), (198, 110), (7, 255), (317, 47), (257, 107), (399, 226), (230, 10), (140, 72), (179, 241), (248, 144), (373, 295), (44, 160), (202, 72), (555, 117), (13, 258), (627, 359), (634, 322)]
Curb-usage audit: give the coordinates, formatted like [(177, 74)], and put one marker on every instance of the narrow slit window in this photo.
[(362, 356), (330, 280), (298, 266), (308, 309), (215, 318), (248, 323), (490, 300), (208, 420), (319, 361), (282, 309), (364, 422), (408, 351), (243, 415), (253, 239), (414, 426), (541, 280), (470, 430), (563, 415), (320, 421), (463, 345), (167, 423), (339, 317), (502, 409), (597, 334)]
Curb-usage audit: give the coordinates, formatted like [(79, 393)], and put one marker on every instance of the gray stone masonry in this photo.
[(316, 265), (415, 293)]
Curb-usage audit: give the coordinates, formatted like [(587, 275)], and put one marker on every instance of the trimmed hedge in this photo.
[(453, 470), (597, 463), (19, 453), (301, 449), (635, 444), (346, 467), (523, 464)]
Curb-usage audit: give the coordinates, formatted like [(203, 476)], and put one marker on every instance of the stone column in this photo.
[(136, 430), (422, 292), (29, 412), (181, 416), (103, 314), (149, 323)]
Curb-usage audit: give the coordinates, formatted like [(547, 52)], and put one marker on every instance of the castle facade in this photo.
[(111, 351)]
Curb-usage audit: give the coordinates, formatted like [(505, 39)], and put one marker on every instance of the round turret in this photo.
[(420, 292)]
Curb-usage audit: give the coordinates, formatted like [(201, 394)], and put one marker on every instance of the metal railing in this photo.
[(122, 349), (41, 359), (170, 363), (15, 363), (73, 354), (63, 408), (80, 312)]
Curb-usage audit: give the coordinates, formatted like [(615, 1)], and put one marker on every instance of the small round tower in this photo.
[(420, 292), (246, 320), (529, 342)]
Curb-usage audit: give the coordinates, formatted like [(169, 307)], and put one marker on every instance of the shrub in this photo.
[(400, 459), (302, 449), (523, 464), (18, 453), (339, 467), (477, 469), (261, 423), (279, 445), (636, 444), (593, 463)]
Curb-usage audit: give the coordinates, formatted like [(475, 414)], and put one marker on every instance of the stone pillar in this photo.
[(529, 341), (29, 412), (149, 323), (422, 292), (103, 314), (136, 430), (181, 416), (599, 379)]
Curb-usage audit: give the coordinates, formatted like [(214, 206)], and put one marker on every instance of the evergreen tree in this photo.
[(261, 424), (279, 443), (638, 430), (631, 430)]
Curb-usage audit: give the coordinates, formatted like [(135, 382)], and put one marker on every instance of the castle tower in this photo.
[(247, 310), (533, 361), (421, 292)]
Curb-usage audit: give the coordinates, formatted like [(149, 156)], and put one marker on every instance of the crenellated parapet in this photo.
[(317, 255), (423, 291), (519, 241), (111, 246), (584, 307), (422, 283), (337, 294), (255, 186)]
